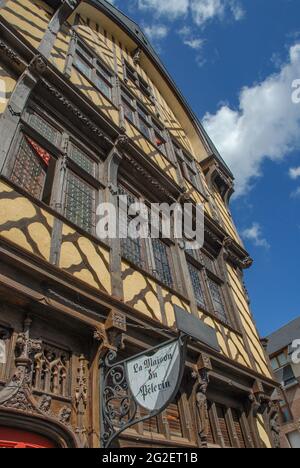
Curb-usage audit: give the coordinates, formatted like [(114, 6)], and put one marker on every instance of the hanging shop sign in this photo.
[(153, 378), (148, 380)]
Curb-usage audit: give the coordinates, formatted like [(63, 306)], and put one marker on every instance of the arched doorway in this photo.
[(20, 439)]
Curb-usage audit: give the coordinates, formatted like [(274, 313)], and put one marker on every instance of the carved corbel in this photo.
[(110, 334), (262, 401), (136, 56), (201, 375), (38, 65)]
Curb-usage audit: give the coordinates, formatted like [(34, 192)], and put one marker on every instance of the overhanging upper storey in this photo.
[(136, 42)]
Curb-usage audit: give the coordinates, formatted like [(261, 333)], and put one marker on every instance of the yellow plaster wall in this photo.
[(7, 85), (25, 224), (85, 260), (30, 18), (248, 323), (265, 440)]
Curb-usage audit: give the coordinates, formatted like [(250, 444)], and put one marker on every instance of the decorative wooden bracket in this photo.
[(110, 334)]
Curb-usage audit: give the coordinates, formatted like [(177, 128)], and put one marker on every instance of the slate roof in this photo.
[(283, 337)]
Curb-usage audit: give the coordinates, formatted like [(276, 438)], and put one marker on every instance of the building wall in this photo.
[(39, 241)]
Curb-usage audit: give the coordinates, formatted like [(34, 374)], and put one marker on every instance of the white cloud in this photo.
[(169, 8), (266, 124), (201, 10), (205, 10), (294, 172), (156, 31), (254, 234), (296, 193), (194, 43)]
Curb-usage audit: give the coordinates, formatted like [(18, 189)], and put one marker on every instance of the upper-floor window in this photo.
[(132, 248), (132, 75), (162, 258), (144, 122), (188, 166), (149, 126), (89, 64), (281, 360), (33, 167), (206, 280)]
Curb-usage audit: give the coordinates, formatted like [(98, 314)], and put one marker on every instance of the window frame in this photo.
[(96, 65)]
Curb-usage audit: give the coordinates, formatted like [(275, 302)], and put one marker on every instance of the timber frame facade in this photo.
[(88, 112)]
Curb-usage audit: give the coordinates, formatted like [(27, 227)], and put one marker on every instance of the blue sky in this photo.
[(236, 61)]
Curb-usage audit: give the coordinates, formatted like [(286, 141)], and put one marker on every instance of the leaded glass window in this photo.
[(162, 262), (80, 203), (82, 160), (197, 284), (44, 128), (30, 170), (216, 295), (130, 247)]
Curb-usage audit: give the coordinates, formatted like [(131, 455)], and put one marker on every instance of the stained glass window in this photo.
[(216, 295), (82, 160), (30, 170), (80, 203), (162, 263), (197, 284), (44, 128)]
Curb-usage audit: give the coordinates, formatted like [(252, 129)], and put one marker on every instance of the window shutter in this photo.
[(174, 420), (238, 428), (221, 412)]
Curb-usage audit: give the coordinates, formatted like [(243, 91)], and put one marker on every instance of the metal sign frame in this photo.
[(115, 388)]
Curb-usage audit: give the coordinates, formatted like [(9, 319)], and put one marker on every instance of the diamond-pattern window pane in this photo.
[(216, 296), (29, 171), (162, 264), (44, 128), (82, 160), (197, 284), (80, 203)]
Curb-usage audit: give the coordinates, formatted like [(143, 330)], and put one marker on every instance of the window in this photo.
[(280, 360), (187, 166), (128, 106), (44, 128), (285, 412), (196, 279), (174, 420), (162, 262), (159, 138), (93, 69), (205, 268), (80, 202), (133, 76), (217, 300), (31, 168), (82, 160), (143, 121), (51, 371), (131, 248)]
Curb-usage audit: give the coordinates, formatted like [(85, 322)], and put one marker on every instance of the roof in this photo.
[(283, 337)]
